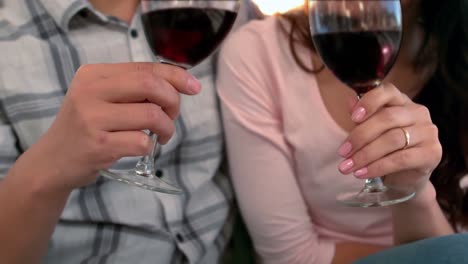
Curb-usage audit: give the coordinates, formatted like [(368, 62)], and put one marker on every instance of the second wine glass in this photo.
[(181, 33), (359, 42)]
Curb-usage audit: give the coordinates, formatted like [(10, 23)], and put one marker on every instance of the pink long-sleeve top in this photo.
[(282, 147)]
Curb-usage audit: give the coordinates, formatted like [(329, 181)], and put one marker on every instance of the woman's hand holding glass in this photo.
[(394, 137), (102, 117)]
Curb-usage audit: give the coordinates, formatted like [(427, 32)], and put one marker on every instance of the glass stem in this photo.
[(145, 166), (374, 185)]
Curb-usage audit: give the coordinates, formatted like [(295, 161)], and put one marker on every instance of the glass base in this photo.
[(365, 198), (151, 183)]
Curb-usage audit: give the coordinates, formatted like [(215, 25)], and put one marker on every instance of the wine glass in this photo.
[(181, 33), (359, 40)]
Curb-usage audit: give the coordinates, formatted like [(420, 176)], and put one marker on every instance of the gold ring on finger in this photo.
[(407, 138)]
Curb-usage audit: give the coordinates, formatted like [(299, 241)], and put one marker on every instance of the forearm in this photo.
[(29, 213), (348, 252), (419, 218)]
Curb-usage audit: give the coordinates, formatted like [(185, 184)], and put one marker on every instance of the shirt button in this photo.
[(159, 173), (180, 238), (83, 14), (134, 33)]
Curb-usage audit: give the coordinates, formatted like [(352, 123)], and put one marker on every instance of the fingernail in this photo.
[(358, 114), (361, 173), (194, 85), (346, 165), (345, 149)]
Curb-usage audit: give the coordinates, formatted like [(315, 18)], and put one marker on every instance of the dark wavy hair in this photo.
[(445, 94)]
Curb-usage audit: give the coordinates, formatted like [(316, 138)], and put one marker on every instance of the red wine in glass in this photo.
[(186, 36), (359, 59)]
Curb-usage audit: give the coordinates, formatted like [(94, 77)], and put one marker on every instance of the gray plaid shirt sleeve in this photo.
[(8, 150)]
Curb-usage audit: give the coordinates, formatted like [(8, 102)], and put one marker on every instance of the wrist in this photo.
[(31, 194), (425, 197), (34, 172), (419, 218)]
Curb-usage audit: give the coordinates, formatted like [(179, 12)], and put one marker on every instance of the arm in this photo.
[(420, 218), (29, 211), (28, 214), (267, 192), (262, 165), (100, 121)]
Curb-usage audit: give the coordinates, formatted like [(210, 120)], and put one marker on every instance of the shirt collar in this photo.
[(62, 11)]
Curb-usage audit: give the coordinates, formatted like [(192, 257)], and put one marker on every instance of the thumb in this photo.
[(352, 102)]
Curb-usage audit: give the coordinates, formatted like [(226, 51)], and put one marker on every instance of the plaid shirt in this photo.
[(42, 43)]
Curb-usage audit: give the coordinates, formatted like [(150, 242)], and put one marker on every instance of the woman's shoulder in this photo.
[(256, 39), (247, 64), (265, 28)]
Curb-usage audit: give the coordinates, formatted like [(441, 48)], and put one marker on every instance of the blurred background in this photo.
[(255, 9), (270, 7)]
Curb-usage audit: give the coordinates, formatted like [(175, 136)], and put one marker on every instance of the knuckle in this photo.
[(101, 141), (146, 80), (111, 157), (437, 151), (395, 138), (423, 111), (173, 105), (82, 117), (171, 129), (98, 146), (83, 91), (378, 168), (405, 97), (73, 96), (144, 67), (393, 90), (90, 116), (361, 157), (426, 172), (84, 69), (426, 169), (160, 84), (401, 159), (143, 144), (77, 87), (177, 103), (174, 98), (176, 113), (172, 70), (434, 132), (431, 157), (168, 131), (355, 138), (152, 114), (388, 116)]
